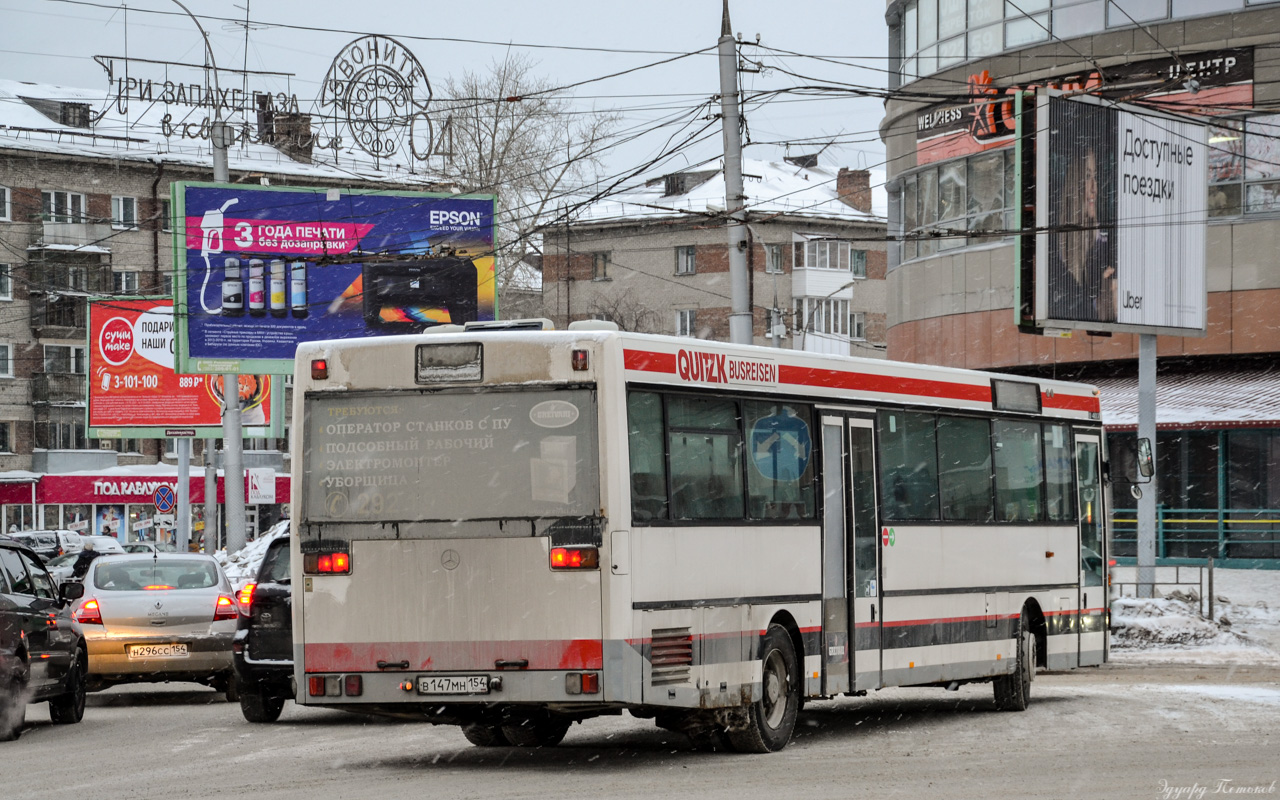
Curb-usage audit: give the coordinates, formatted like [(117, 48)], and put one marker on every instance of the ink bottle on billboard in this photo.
[(298, 288), (279, 308), (257, 289), (232, 289)]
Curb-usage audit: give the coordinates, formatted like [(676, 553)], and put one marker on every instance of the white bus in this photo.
[(512, 531)]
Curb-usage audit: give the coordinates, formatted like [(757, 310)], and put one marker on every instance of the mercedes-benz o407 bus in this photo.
[(512, 531)]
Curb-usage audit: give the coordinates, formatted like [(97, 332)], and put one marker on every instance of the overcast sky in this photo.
[(53, 42)]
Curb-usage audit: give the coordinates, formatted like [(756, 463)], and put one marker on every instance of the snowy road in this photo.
[(1118, 732)]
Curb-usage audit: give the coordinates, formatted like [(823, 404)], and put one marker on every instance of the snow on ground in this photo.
[(242, 566), (1172, 628)]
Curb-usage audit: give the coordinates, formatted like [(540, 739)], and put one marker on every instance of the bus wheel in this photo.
[(1013, 691), (485, 735), (772, 718), (541, 731)]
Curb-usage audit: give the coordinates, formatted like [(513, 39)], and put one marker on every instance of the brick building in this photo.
[(656, 259)]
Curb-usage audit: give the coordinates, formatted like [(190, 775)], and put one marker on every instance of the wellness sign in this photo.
[(134, 391), (260, 269)]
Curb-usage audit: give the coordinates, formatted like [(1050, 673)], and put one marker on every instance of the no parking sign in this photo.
[(164, 499)]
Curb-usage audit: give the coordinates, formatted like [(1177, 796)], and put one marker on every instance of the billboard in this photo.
[(1119, 218), (135, 393), (260, 269)]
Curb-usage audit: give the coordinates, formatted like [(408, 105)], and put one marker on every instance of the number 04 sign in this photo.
[(133, 391)]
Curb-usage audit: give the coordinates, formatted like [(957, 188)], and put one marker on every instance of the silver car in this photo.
[(158, 617)]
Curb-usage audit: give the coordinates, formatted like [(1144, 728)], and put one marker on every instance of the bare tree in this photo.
[(626, 312), (513, 134)]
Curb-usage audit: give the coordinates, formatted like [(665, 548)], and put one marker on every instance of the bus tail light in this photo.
[(353, 685), (580, 361), (225, 609), (319, 369), (582, 683), (245, 598), (315, 685), (326, 563), (575, 558), (89, 613)]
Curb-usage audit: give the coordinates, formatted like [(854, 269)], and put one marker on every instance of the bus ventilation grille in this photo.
[(671, 656)]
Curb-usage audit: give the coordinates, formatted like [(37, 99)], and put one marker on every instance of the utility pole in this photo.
[(233, 461), (1147, 508), (740, 321)]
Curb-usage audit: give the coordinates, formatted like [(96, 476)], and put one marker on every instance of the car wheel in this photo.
[(258, 707), (226, 684), (13, 710), (540, 731), (68, 708)]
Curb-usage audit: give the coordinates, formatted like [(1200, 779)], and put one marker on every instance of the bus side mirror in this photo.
[(1145, 466)]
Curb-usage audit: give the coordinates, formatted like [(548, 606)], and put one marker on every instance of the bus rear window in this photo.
[(448, 457)]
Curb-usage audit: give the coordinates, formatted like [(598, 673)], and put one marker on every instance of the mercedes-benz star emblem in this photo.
[(450, 559)]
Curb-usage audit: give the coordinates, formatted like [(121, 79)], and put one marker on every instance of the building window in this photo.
[(77, 278), (858, 326), (685, 264), (166, 283), (124, 213), (6, 437), (858, 263), (166, 220), (823, 316), (61, 436), (62, 206), (599, 266), (968, 201), (6, 360), (775, 258), (687, 322), (123, 282), (5, 210), (64, 359), (6, 283), (827, 254)]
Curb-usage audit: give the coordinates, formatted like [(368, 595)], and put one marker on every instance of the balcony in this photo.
[(75, 237), (55, 316), (58, 388)]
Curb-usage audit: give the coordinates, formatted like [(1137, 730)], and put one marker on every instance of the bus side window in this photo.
[(780, 473), (908, 465), (704, 438), (1059, 480), (648, 461), (1019, 463)]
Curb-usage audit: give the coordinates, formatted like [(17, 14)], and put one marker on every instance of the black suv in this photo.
[(43, 656), (262, 650)]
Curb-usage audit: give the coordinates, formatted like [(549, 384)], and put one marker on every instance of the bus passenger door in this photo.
[(1092, 621), (865, 597), (850, 555)]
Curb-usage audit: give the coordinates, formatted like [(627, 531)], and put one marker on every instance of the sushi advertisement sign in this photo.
[(134, 391), (260, 269)]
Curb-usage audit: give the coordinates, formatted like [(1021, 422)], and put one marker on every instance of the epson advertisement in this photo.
[(1120, 212), (261, 269)]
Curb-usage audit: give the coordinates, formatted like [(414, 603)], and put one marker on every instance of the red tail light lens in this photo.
[(225, 609), (590, 683), (580, 361), (575, 558), (326, 563), (156, 587), (352, 685), (319, 369), (245, 598), (315, 685), (88, 613)]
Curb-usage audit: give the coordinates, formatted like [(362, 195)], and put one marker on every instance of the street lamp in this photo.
[(809, 318)]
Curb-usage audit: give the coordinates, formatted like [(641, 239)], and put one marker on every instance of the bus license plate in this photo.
[(157, 651), (453, 684)]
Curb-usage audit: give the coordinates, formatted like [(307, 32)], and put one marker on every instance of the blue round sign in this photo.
[(781, 446), (164, 499)]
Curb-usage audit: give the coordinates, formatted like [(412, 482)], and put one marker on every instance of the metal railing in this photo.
[(1198, 533), (1199, 577)]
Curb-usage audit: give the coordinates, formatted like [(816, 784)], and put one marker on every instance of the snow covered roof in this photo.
[(72, 248), (525, 277), (771, 187), (1217, 399), (136, 134)]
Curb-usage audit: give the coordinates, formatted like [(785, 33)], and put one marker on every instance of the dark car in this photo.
[(43, 656), (43, 543), (262, 650)]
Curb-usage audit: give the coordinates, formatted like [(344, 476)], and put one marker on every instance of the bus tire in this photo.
[(482, 735), (1013, 691), (540, 731), (772, 718)]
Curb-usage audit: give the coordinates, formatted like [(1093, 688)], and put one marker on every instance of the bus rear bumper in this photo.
[(435, 689)]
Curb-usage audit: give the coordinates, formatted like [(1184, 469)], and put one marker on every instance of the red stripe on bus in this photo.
[(1071, 402), (364, 656), (646, 361), (883, 384)]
